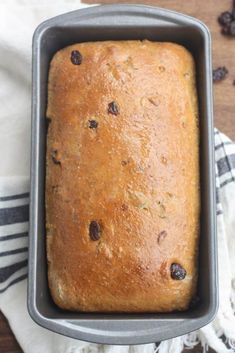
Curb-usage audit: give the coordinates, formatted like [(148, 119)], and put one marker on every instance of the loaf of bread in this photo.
[(122, 177)]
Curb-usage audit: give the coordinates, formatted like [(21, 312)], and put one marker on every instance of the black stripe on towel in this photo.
[(226, 164), (217, 147), (14, 197), (13, 236), (8, 271), (14, 215), (16, 280), (13, 252), (228, 181)]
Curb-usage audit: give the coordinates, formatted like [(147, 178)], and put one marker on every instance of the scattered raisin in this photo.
[(113, 108), (76, 57), (225, 18), (219, 74), (94, 230), (232, 28), (93, 124), (226, 30), (233, 10), (227, 21), (54, 156), (161, 236), (177, 272)]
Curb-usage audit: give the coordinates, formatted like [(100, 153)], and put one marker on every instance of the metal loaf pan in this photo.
[(121, 22)]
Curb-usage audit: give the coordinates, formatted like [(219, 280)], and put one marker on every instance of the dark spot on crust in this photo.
[(153, 100), (161, 68), (94, 230), (164, 160), (125, 162), (169, 194), (161, 236), (113, 108), (55, 188), (177, 272), (161, 209), (76, 57), (93, 124), (124, 207), (55, 157)]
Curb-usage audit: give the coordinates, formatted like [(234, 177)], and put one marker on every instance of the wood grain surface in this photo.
[(8, 343), (224, 94)]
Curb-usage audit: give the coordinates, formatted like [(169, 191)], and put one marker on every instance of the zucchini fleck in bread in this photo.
[(122, 180)]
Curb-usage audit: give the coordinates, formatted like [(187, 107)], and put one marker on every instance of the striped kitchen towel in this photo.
[(14, 213), (14, 216)]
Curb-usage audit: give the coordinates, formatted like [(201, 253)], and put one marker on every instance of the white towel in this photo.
[(18, 20)]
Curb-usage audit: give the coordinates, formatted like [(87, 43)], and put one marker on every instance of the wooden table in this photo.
[(224, 93)]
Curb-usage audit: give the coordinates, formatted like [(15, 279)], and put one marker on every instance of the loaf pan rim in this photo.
[(32, 307)]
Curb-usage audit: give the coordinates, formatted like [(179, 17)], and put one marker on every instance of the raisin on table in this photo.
[(225, 18), (219, 74)]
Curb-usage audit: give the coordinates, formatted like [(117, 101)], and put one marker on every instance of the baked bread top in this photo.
[(122, 179)]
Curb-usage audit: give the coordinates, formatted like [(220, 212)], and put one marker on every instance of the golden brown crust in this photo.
[(136, 174)]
